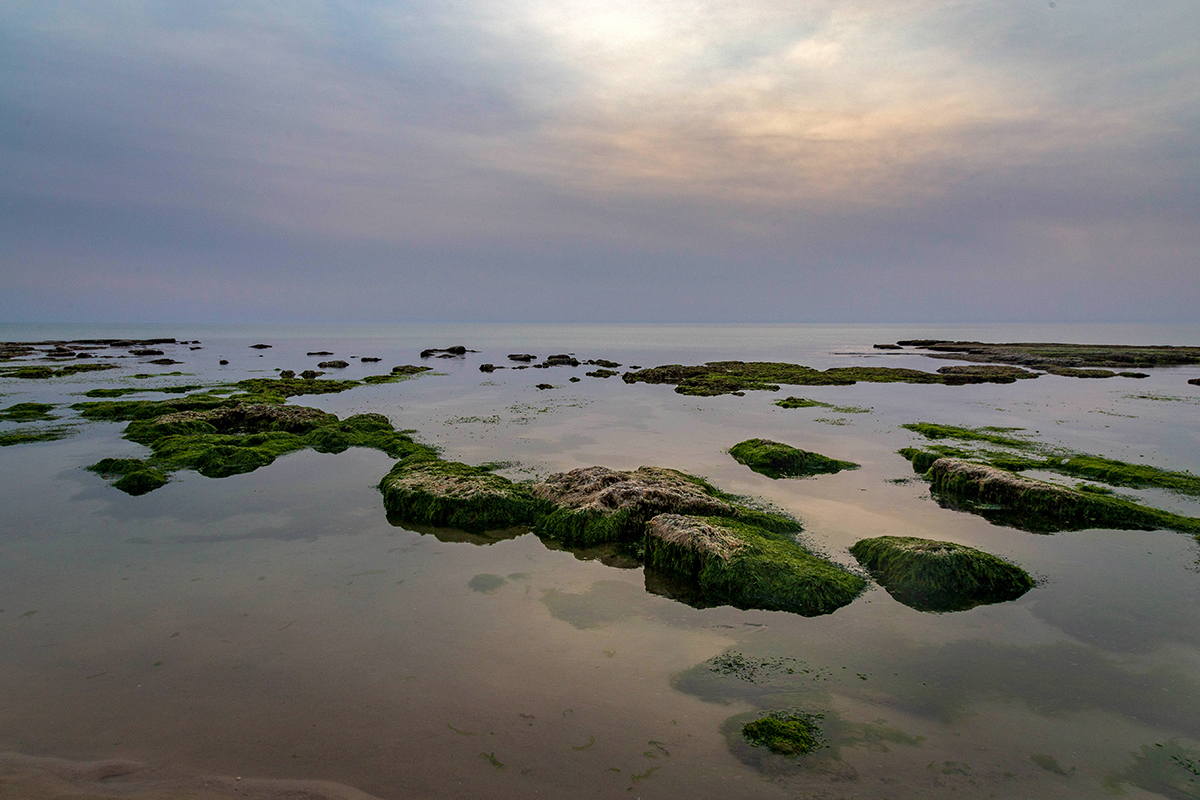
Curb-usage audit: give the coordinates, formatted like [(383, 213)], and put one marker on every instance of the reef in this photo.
[(219, 437), (1052, 356), (777, 460), (729, 377), (710, 545), (940, 576)]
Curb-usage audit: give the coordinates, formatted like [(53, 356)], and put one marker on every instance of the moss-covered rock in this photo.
[(133, 476), (746, 566), (778, 460), (597, 504), (940, 576), (31, 436), (429, 491), (1010, 499), (788, 733)]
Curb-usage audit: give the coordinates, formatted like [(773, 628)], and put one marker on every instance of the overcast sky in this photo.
[(579, 160)]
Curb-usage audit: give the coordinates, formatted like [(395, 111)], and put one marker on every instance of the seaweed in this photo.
[(28, 412), (939, 576), (777, 460), (803, 402), (28, 436), (789, 733)]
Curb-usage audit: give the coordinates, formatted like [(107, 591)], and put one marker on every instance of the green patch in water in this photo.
[(1169, 770), (1050, 764), (788, 733), (778, 460), (31, 436), (28, 412), (486, 583)]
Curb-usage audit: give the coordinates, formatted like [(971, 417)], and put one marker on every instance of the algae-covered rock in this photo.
[(940, 576), (430, 491), (746, 566), (778, 460), (133, 475), (598, 504), (1010, 499), (788, 733)]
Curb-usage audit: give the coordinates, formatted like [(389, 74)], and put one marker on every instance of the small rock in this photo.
[(333, 365), (573, 379), (526, 357), (310, 374), (223, 363), (487, 368), (456, 350), (164, 361), (887, 347), (561, 360), (260, 346), (287, 374), (146, 352), (545, 386), (320, 353), (369, 359)]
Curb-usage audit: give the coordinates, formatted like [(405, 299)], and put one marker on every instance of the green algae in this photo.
[(804, 402), (939, 576), (778, 460), (788, 733), (734, 563), (28, 436), (991, 435), (28, 412), (429, 491)]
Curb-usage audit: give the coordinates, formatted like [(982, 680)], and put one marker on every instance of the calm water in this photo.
[(276, 627)]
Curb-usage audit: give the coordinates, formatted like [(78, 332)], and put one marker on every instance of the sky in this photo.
[(576, 160)]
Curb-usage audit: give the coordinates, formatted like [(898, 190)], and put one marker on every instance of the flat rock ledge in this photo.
[(1007, 498)]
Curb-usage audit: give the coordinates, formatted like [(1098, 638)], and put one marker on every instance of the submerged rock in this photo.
[(747, 566), (319, 353), (260, 346), (940, 576), (777, 460), (526, 357)]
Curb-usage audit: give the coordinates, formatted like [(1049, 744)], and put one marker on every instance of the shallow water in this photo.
[(275, 626)]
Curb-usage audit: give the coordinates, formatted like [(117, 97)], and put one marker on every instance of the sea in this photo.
[(275, 635)]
